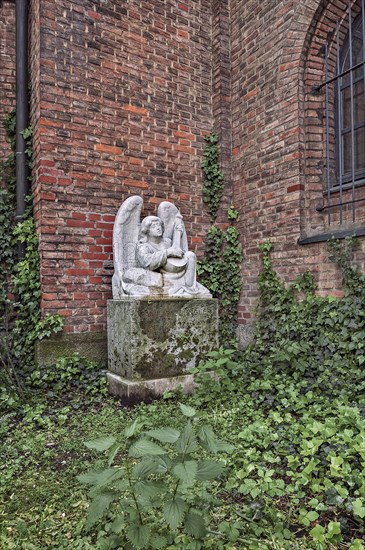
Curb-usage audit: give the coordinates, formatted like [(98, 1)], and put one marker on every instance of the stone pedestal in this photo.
[(153, 343)]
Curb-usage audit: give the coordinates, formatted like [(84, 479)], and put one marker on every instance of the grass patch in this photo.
[(295, 478), (292, 407)]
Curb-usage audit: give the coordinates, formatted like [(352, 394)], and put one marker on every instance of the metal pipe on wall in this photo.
[(22, 111)]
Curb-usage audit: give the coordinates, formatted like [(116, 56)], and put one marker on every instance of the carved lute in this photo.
[(175, 265)]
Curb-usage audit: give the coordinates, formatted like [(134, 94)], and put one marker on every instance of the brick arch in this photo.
[(322, 30), (295, 52), (274, 88), (270, 45), (302, 53), (294, 58)]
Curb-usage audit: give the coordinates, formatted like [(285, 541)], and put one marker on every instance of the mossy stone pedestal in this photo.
[(154, 343)]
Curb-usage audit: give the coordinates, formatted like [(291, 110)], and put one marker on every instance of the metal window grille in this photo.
[(345, 118)]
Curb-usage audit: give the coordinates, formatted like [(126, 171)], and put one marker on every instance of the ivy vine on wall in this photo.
[(213, 185), (20, 315), (316, 337), (220, 269)]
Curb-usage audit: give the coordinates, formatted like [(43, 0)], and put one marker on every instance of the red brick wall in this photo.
[(221, 89), (122, 95), (124, 102), (7, 69), (273, 64)]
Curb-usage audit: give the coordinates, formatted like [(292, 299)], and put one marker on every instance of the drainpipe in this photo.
[(22, 114)]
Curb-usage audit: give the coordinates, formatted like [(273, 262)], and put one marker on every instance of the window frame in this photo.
[(346, 179)]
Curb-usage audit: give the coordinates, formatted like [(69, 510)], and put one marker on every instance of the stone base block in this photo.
[(133, 391), (153, 339), (91, 345)]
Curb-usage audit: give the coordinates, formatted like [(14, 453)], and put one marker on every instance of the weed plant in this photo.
[(220, 269), (159, 491), (21, 325), (291, 406), (299, 459)]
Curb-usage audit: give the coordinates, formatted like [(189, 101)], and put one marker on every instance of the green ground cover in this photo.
[(291, 409), (294, 477)]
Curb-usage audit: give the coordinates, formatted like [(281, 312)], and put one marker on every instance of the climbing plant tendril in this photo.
[(213, 186), (220, 269), (301, 385), (315, 335), (20, 316)]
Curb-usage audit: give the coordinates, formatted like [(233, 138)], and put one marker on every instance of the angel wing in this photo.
[(125, 237), (168, 212)]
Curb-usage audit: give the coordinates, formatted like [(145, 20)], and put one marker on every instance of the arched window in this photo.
[(334, 168), (350, 107), (345, 120)]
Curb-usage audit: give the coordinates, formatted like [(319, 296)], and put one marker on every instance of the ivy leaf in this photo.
[(209, 469), (186, 471), (358, 508), (336, 463), (164, 435), (98, 507), (333, 528), (318, 533), (312, 515), (139, 535), (174, 511), (101, 444), (144, 447), (356, 544)]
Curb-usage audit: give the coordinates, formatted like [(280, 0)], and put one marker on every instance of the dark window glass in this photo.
[(351, 108)]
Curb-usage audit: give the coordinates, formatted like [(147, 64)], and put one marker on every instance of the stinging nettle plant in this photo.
[(159, 489)]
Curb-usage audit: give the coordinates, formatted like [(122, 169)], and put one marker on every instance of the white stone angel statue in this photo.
[(152, 258)]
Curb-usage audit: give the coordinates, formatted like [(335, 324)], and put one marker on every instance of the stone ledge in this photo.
[(135, 391), (91, 345)]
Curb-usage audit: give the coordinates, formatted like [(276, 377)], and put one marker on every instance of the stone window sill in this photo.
[(338, 234)]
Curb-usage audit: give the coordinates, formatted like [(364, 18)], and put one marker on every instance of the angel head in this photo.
[(151, 226)]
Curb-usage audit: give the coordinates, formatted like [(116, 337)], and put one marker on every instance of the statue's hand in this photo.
[(174, 253)]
